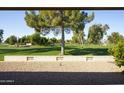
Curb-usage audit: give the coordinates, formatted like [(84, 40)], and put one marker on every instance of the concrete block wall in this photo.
[(58, 58)]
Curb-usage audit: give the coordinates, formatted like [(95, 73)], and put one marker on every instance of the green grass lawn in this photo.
[(53, 50)]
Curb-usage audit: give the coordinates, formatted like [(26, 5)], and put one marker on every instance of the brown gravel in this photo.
[(60, 66), (61, 73)]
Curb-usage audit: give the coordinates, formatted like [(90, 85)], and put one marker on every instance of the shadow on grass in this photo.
[(87, 51), (30, 50), (69, 51), (62, 78)]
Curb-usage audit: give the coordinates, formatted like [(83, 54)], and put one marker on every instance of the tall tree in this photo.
[(96, 33), (32, 20), (78, 34), (58, 21), (1, 35)]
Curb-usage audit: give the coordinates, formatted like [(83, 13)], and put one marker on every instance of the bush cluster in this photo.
[(118, 52)]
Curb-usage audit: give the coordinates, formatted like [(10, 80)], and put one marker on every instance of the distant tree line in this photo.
[(96, 33), (34, 39), (94, 37)]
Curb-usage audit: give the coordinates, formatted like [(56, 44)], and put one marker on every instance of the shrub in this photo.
[(11, 40), (22, 40), (114, 38), (43, 41), (53, 40), (118, 52), (35, 39)]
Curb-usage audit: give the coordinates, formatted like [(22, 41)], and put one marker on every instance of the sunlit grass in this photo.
[(70, 49)]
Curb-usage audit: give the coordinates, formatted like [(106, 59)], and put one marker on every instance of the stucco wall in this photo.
[(58, 58)]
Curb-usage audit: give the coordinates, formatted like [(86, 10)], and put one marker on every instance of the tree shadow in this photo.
[(89, 51), (28, 51), (69, 50), (62, 78)]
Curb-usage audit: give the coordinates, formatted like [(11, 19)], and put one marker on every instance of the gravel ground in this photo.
[(60, 66), (60, 73)]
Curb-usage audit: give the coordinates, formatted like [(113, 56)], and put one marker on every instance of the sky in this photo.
[(13, 22)]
